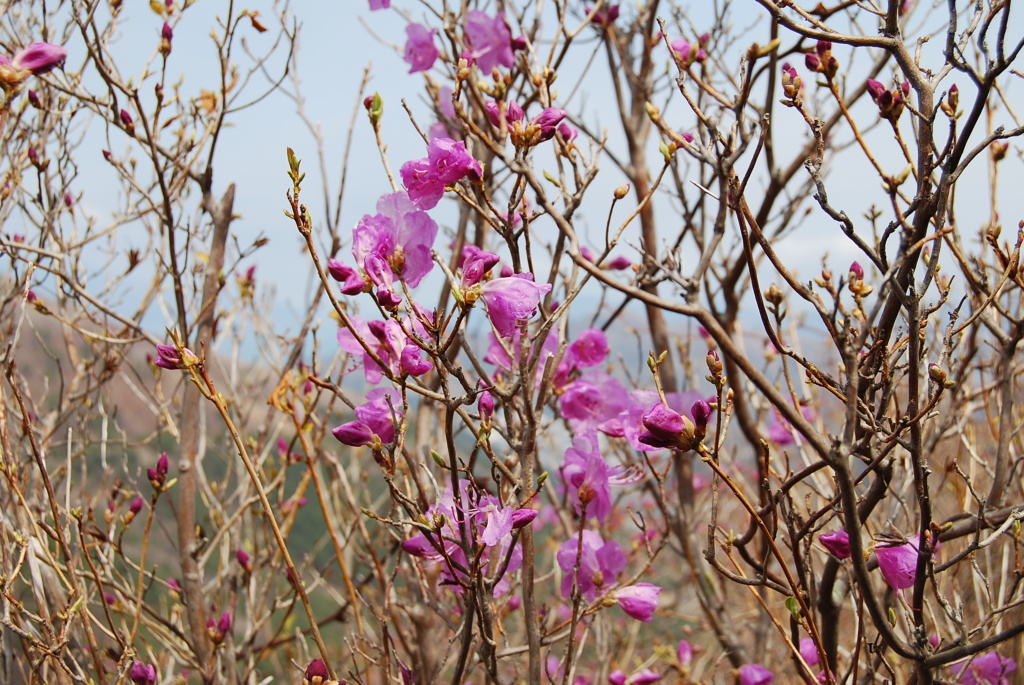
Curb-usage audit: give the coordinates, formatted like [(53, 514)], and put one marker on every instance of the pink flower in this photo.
[(512, 301), (401, 234), (617, 263), (447, 162), (600, 563), (587, 476), (375, 420), (898, 562), (489, 41), (639, 601), (987, 669), (136, 506), (592, 400), (379, 5), (420, 51), (352, 282), (754, 674), (589, 349), (837, 543)]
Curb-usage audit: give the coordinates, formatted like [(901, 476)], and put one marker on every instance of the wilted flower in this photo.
[(837, 543), (420, 51)]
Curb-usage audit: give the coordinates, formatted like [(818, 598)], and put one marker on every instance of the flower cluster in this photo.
[(890, 102), (489, 525), (591, 567), (822, 61), (447, 162)]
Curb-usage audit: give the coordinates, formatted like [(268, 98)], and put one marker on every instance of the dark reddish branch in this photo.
[(191, 574)]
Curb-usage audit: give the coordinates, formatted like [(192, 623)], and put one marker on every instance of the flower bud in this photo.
[(127, 122), (33, 99), (142, 674), (166, 36), (936, 373), (523, 517), (243, 559), (621, 191), (316, 673)]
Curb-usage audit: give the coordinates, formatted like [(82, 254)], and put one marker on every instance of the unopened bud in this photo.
[(621, 191)]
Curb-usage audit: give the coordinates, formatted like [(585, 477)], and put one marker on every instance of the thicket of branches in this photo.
[(754, 413)]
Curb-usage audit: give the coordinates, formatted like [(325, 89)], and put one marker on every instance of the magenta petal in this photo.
[(39, 58), (511, 300), (420, 51), (639, 601), (754, 674), (837, 543)]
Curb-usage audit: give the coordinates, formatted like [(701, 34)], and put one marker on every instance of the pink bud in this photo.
[(39, 58), (136, 506), (837, 543)]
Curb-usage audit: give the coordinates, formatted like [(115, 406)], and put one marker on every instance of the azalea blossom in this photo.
[(589, 477), (400, 234), (447, 162), (898, 562), (512, 301), (600, 563), (489, 41), (420, 51)]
